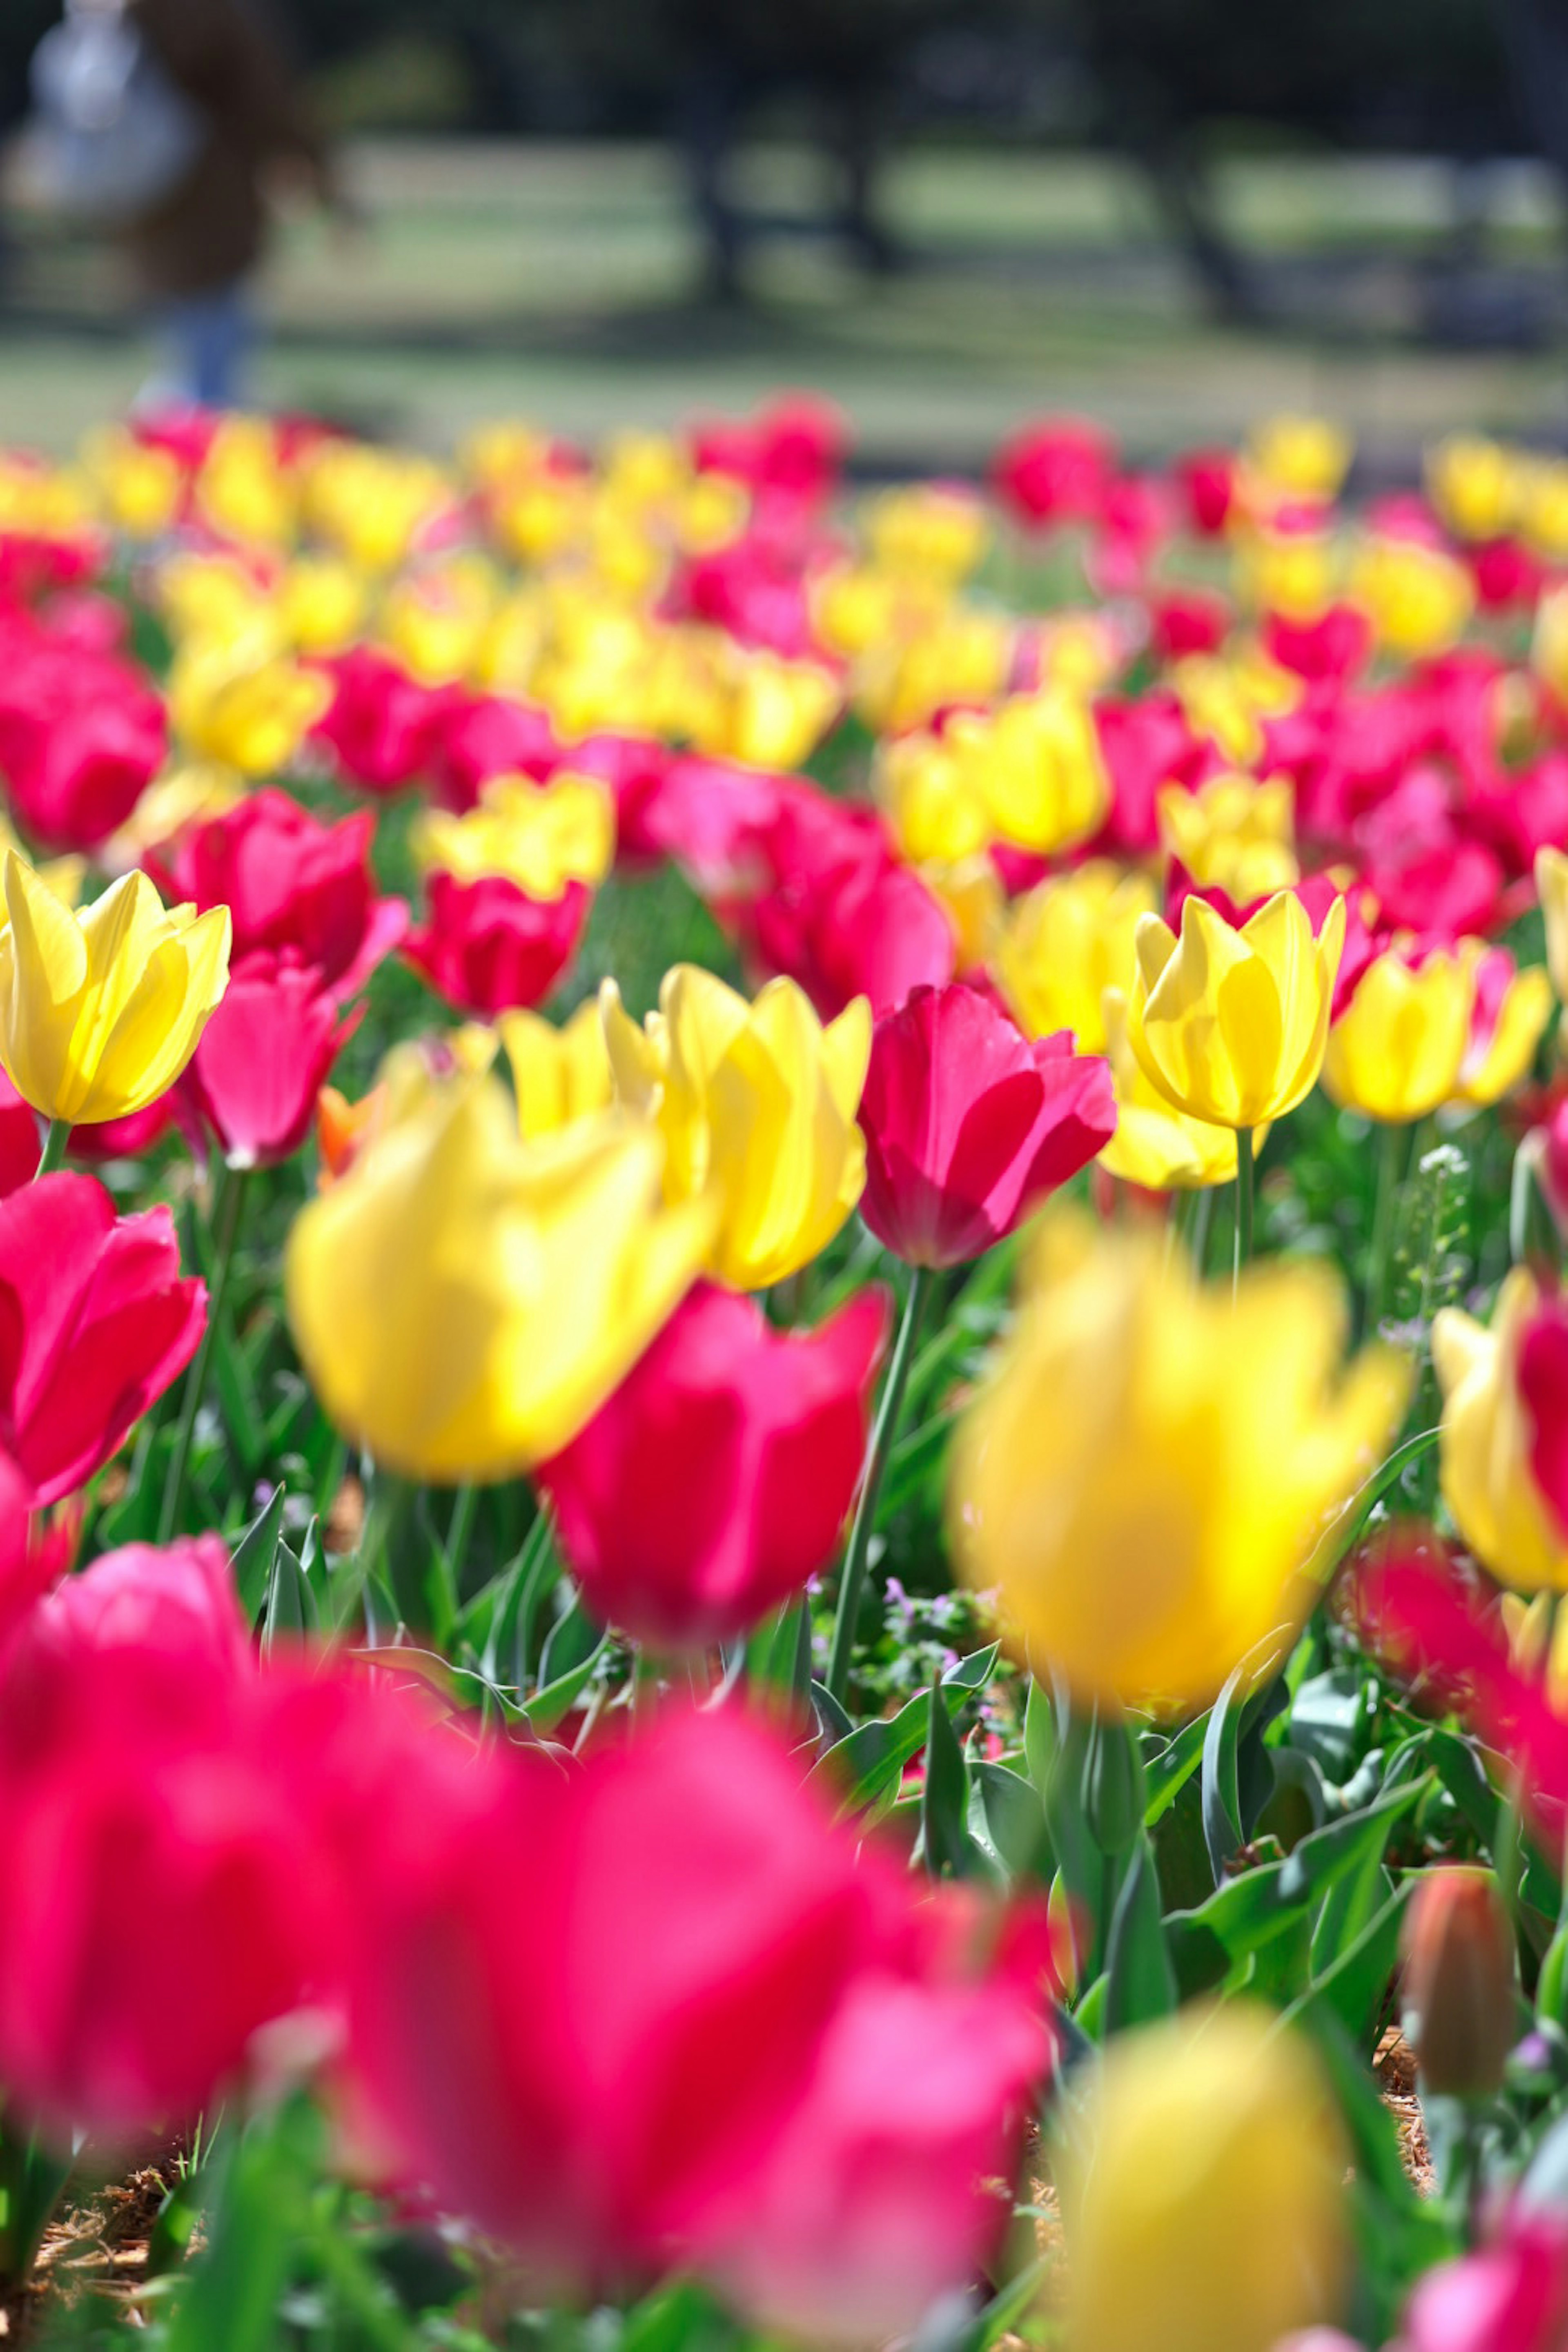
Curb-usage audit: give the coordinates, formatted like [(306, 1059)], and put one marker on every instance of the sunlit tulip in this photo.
[(489, 947), (263, 1059), (969, 1126), (757, 1105), (559, 1075), (243, 490), (1396, 1050), (540, 836), (244, 705), (97, 1325), (322, 604), (1155, 1145), (1485, 1450), (1552, 887), (777, 1420), (772, 714), (464, 1302), (1204, 2205), (1419, 597), (936, 528), (1302, 456), (1231, 1025), (1512, 1011), (1069, 941), (1475, 484), (1234, 834), (1145, 1480), (1227, 700), (100, 1012)]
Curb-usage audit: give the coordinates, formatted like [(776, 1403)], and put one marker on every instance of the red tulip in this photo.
[(82, 737), (839, 914), (489, 947), (20, 1142), (969, 1123), (485, 736), (1543, 1385), (659, 2012), (263, 1058), (128, 1139), (382, 726), (95, 1324), (1058, 471), (1509, 2294), (288, 881), (30, 1559), (716, 1481)]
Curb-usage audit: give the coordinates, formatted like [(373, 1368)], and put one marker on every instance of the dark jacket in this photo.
[(212, 230)]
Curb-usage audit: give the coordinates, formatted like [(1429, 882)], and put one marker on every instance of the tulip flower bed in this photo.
[(784, 1463)]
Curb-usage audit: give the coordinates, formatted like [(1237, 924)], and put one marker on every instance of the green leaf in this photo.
[(1221, 1791), (945, 1844), (553, 1700), (1140, 1982), (867, 1766), (1168, 1771), (1355, 1983), (291, 1606), (255, 1552)]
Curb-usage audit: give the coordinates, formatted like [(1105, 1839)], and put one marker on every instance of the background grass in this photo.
[(563, 282)]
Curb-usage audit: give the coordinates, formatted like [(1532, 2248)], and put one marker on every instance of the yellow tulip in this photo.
[(243, 490), (100, 1012), (1234, 834), (561, 1074), (540, 836), (1203, 2202), (1418, 597), (139, 483), (757, 1106), (1475, 484), (1544, 504), (322, 604), (435, 621), (1146, 1479), (1396, 1052), (1485, 1446), (188, 796), (935, 809), (1506, 1057), (969, 892), (370, 504), (214, 599), (1038, 768), (1551, 886), (1231, 1025), (242, 704), (463, 1302), (1292, 573), (1155, 1145), (1227, 698), (773, 713), (1302, 456), (1065, 943), (932, 529), (64, 876), (952, 654)]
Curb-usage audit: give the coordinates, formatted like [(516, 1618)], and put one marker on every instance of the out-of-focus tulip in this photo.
[(97, 1325), (1230, 1024), (1056, 471), (289, 881), (1144, 1481), (1302, 456), (100, 1012), (1552, 887), (382, 726), (19, 1138), (1485, 1450), (1207, 2212), (1475, 484), (1064, 945), (263, 1059), (1512, 1011), (465, 1302), (756, 1104), (488, 947), (1395, 1053), (1419, 596), (240, 702), (559, 1075), (1155, 1145), (806, 2102), (177, 1604), (1234, 835), (82, 737), (542, 837), (1510, 2292), (778, 1421), (1459, 1983), (969, 1126)]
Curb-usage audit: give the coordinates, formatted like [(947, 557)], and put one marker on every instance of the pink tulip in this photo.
[(716, 1481), (487, 946), (95, 1324), (969, 1124), (263, 1059)]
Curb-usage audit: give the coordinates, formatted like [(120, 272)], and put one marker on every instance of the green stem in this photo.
[(226, 1232), (53, 1156), (1195, 1234), (852, 1583), (1245, 1177), (1392, 1143), (390, 1497), (465, 1511)]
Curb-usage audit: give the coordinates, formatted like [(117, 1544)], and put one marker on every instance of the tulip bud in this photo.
[(1459, 1983)]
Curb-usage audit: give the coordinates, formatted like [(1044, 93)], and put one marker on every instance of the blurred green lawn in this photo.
[(561, 283)]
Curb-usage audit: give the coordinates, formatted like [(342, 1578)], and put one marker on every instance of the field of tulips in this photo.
[(784, 1403)]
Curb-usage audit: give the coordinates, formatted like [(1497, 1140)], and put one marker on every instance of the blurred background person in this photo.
[(163, 123)]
